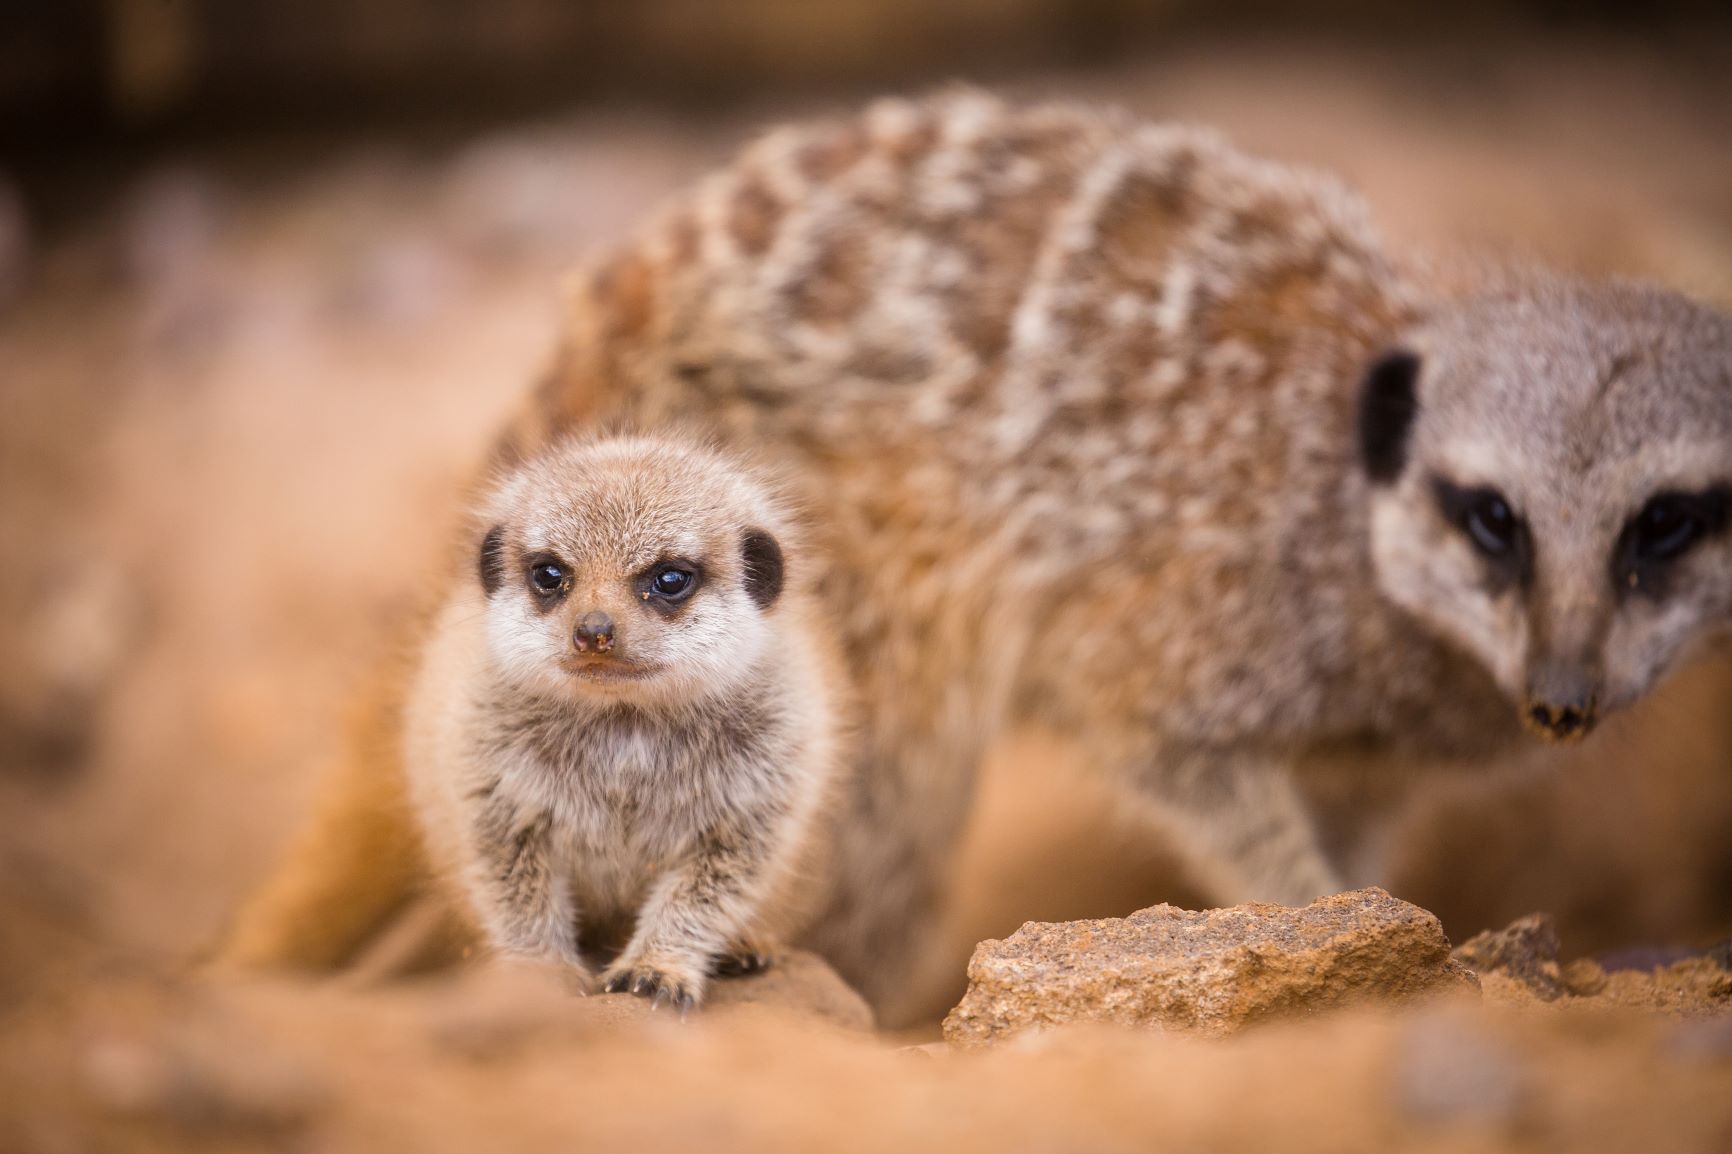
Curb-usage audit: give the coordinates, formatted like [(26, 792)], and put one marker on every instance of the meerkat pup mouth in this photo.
[(626, 718)]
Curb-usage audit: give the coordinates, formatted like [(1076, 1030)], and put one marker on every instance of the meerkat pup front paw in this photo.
[(743, 958), (666, 984), (625, 718)]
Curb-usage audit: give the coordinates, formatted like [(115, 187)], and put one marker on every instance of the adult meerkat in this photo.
[(1113, 427), (620, 734)]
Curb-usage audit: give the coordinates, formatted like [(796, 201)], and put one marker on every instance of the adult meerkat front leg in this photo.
[(1241, 822), (910, 800)]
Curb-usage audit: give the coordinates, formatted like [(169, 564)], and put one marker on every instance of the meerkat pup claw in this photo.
[(622, 725)]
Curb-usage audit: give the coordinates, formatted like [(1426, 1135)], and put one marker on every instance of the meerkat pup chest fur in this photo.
[(629, 791), (620, 739)]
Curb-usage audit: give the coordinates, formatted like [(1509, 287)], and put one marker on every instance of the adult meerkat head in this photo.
[(1552, 488), (629, 569)]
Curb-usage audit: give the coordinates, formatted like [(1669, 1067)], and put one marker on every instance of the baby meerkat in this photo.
[(620, 739)]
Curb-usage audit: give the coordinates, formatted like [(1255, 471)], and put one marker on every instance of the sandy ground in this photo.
[(239, 394)]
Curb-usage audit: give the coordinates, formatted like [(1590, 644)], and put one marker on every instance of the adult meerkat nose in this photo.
[(593, 633), (1563, 704)]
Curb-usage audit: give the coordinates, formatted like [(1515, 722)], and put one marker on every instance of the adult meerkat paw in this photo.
[(663, 985), (743, 958)]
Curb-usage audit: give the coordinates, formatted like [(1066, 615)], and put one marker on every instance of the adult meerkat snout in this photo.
[(620, 740), (1553, 487)]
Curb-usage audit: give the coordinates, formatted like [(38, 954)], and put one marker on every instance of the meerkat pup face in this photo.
[(630, 569), (1552, 489)]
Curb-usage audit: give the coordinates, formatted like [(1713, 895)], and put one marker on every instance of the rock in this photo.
[(1518, 967), (1526, 950), (1212, 972)]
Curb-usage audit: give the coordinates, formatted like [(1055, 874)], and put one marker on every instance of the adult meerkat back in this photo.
[(620, 739)]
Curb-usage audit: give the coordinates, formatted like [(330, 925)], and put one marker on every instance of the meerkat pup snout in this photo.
[(620, 738)]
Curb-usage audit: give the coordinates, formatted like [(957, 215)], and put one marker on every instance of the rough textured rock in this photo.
[(1518, 968), (1526, 950), (1211, 972)]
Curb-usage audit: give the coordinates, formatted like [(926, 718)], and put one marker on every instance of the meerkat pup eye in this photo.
[(548, 577), (672, 581)]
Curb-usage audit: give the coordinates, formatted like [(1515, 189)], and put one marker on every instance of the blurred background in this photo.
[(271, 272)]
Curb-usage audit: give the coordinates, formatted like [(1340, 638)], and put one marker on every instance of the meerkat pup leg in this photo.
[(691, 919), (1244, 826), (518, 883)]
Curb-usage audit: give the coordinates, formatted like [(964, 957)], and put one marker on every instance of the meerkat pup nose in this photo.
[(593, 633)]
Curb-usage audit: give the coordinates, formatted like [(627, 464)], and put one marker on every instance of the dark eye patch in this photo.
[(1490, 523), (762, 557), (491, 561), (1388, 402), (1668, 525)]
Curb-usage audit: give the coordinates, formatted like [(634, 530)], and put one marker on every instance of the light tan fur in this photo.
[(1075, 402), (660, 804)]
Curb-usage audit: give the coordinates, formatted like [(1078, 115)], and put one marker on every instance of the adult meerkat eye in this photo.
[(1492, 525), (548, 578), (1666, 527), (1484, 515)]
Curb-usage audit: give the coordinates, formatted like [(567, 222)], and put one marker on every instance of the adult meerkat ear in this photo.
[(763, 560), (491, 563), (1388, 401)]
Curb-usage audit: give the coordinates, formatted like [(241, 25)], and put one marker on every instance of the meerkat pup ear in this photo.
[(1388, 401), (491, 563), (763, 558)]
